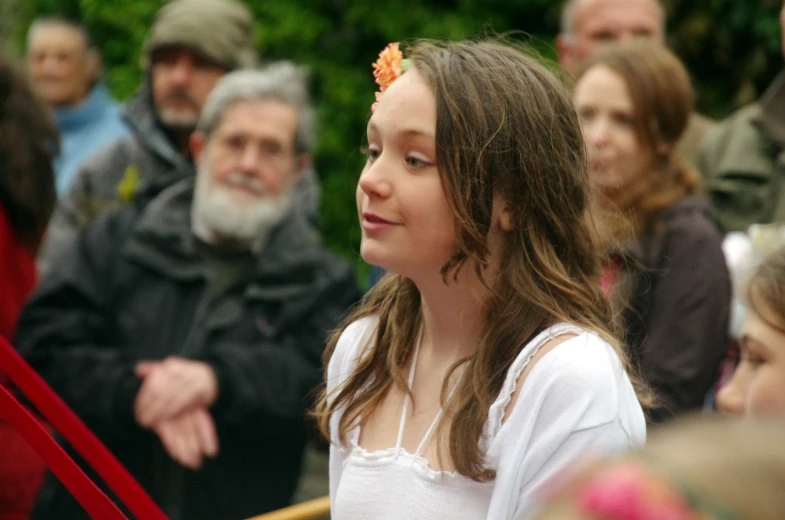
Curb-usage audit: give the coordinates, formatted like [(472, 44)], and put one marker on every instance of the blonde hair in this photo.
[(766, 290), (715, 463)]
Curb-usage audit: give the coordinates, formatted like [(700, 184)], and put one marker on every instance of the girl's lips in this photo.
[(372, 222), (373, 217)]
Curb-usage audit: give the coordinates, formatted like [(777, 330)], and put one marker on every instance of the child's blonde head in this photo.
[(766, 290)]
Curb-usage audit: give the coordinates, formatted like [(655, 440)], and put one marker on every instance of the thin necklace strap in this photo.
[(439, 414), (406, 398)]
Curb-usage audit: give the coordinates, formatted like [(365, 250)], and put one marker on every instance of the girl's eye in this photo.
[(371, 153), (586, 113), (414, 162), (752, 358), (625, 119)]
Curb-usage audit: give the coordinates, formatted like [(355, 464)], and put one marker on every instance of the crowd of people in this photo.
[(558, 326)]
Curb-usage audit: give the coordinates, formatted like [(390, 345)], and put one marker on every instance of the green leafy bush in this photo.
[(731, 47)]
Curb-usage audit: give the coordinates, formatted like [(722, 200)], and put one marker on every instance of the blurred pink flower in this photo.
[(629, 492)]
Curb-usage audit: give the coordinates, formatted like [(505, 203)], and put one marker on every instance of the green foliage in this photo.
[(732, 48)]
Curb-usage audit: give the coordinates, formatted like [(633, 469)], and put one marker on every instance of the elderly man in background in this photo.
[(187, 330), (191, 45), (587, 25), (64, 69)]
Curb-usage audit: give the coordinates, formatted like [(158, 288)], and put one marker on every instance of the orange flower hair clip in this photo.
[(388, 68)]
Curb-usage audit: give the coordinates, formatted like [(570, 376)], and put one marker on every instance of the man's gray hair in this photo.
[(567, 20), (79, 27), (282, 81)]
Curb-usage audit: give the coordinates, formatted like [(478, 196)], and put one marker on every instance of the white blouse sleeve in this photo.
[(576, 402)]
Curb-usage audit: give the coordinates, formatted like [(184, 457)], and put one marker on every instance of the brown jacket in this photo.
[(678, 305)]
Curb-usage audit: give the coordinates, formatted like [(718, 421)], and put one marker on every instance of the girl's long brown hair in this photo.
[(505, 126), (28, 144)]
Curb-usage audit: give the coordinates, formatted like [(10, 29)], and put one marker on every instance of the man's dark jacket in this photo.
[(134, 287)]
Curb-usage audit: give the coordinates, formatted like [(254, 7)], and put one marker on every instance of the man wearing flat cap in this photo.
[(190, 46)]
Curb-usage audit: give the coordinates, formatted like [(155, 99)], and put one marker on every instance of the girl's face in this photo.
[(758, 385), (407, 225), (619, 163)]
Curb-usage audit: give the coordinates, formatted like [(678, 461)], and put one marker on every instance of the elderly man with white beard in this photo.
[(187, 330)]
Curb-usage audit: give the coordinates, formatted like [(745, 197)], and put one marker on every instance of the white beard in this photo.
[(215, 214)]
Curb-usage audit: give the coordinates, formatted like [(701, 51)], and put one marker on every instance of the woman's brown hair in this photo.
[(766, 290), (663, 99), (505, 127), (28, 144)]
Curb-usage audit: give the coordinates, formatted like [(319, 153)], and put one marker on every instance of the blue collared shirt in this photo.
[(84, 129)]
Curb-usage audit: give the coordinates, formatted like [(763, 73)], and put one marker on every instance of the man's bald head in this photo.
[(587, 25)]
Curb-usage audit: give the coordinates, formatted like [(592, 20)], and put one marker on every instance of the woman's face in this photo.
[(619, 162), (758, 385)]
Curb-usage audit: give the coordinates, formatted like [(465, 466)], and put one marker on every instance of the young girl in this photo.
[(758, 383), (698, 469), (483, 365), (668, 280)]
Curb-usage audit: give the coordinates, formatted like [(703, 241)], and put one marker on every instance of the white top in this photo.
[(576, 401)]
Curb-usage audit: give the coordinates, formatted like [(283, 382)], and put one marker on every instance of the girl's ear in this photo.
[(505, 217)]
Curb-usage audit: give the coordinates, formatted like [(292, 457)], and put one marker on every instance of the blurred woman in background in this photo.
[(28, 143), (667, 276), (757, 387)]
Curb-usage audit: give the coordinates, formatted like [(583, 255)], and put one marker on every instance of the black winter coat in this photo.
[(133, 287)]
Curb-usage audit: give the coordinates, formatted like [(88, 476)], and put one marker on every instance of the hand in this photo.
[(172, 387), (189, 438)]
